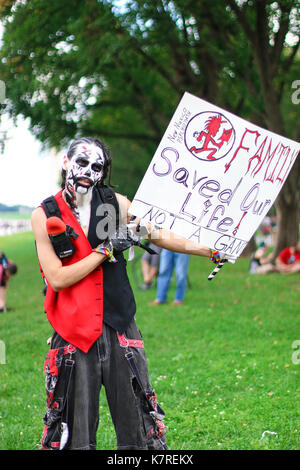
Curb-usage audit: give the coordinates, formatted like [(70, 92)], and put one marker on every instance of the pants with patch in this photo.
[(105, 364)]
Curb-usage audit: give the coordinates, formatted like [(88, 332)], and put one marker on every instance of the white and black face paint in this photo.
[(85, 169)]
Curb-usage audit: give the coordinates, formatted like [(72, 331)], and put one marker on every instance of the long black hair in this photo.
[(107, 158)]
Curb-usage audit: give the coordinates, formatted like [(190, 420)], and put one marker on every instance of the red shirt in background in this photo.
[(289, 256)]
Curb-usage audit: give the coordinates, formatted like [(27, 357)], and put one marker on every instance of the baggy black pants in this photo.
[(105, 364)]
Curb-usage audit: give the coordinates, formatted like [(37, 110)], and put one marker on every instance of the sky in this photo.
[(27, 174)]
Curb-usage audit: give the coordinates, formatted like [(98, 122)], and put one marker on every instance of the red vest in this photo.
[(76, 312)]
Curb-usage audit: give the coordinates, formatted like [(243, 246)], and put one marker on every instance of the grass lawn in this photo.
[(14, 215), (221, 364)]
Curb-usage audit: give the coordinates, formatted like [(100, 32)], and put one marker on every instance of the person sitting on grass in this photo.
[(288, 261), (7, 269), (261, 262)]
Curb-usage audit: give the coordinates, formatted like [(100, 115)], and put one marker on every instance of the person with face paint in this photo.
[(91, 307)]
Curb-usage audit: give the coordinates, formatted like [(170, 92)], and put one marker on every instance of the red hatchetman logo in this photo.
[(209, 136)]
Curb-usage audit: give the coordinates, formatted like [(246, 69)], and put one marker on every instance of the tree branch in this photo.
[(240, 13), (286, 66), (263, 46), (291, 57), (279, 39), (153, 63), (119, 135)]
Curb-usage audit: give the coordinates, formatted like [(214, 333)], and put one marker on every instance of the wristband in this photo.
[(107, 251), (215, 256)]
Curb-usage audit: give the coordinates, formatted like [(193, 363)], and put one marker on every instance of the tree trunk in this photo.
[(288, 207), (288, 200), (287, 211), (250, 248)]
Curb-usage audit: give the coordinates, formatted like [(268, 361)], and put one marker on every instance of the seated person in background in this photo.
[(288, 261), (261, 262), (7, 269)]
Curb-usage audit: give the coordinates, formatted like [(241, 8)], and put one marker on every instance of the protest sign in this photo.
[(213, 177)]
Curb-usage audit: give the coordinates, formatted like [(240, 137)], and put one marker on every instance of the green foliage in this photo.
[(221, 364), (90, 68)]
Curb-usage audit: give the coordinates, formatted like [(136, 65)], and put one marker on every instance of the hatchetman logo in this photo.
[(209, 136)]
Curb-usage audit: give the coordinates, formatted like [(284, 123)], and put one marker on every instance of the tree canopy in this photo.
[(118, 70)]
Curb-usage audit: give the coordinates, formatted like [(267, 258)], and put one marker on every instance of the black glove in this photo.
[(122, 239), (127, 236)]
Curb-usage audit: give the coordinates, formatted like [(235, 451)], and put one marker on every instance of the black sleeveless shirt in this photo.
[(118, 300)]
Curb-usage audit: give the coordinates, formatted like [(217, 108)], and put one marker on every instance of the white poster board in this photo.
[(213, 177)]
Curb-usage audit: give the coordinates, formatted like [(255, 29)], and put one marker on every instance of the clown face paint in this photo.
[(85, 168)]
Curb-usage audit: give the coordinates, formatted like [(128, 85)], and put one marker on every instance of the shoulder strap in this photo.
[(108, 196), (51, 208)]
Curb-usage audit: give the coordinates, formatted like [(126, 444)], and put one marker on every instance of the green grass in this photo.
[(14, 215), (221, 364)]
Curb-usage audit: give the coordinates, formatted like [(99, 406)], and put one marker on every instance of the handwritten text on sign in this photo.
[(213, 177)]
